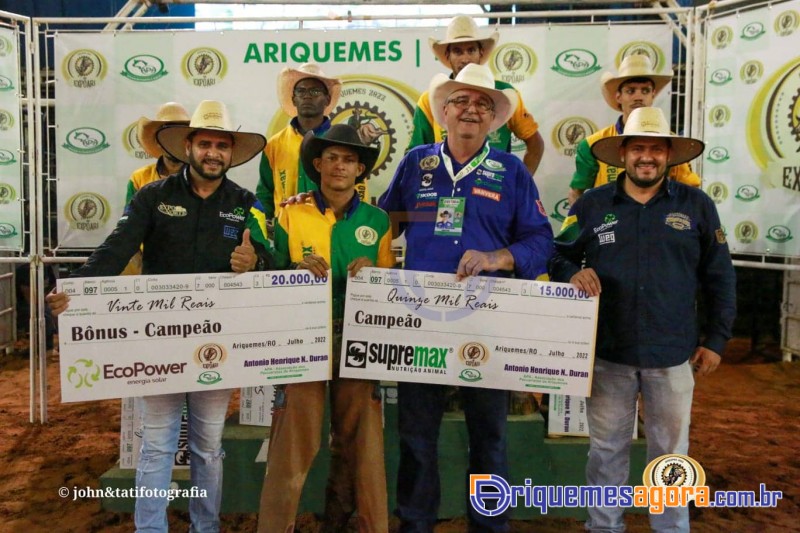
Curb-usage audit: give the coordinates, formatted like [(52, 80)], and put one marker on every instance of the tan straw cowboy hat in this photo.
[(289, 77), (477, 77), (462, 29), (648, 122), (169, 113), (633, 66), (211, 115)]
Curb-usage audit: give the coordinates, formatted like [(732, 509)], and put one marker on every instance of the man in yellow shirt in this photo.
[(461, 46), (636, 85)]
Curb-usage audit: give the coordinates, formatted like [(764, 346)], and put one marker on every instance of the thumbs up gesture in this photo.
[(243, 258)]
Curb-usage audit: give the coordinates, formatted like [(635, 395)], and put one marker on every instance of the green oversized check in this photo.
[(142, 335), (501, 333)]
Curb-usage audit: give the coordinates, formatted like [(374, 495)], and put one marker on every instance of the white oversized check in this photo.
[(405, 325), (143, 335)]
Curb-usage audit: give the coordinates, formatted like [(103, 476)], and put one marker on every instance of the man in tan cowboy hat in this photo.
[(307, 95), (165, 165), (332, 230), (462, 46), (635, 85), (502, 230), (647, 243), (195, 220)]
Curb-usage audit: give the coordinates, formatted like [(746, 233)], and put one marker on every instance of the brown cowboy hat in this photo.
[(289, 77), (648, 122), (169, 113), (633, 66), (337, 135), (211, 115), (463, 29)]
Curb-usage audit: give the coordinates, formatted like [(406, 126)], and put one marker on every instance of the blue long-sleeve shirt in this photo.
[(502, 210), (651, 258)]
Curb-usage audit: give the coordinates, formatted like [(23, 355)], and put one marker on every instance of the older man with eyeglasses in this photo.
[(498, 228)]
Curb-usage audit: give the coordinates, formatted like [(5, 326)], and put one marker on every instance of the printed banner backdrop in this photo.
[(11, 211), (107, 81), (751, 166)]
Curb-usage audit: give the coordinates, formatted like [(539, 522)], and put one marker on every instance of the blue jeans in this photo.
[(162, 421), (611, 411), (420, 410)]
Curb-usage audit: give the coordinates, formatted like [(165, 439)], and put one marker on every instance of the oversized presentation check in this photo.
[(142, 335), (406, 325)]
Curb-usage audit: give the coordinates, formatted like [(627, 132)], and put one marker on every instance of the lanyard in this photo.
[(469, 167)]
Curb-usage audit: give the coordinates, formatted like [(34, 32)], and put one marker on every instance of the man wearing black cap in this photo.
[(332, 230)]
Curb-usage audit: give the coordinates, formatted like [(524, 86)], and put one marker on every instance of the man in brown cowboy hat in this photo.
[(195, 220), (502, 231), (332, 230), (307, 95), (462, 46), (647, 243), (165, 165), (635, 85)]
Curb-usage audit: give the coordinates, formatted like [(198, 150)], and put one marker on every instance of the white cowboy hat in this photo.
[(633, 66), (477, 77), (211, 115), (169, 113), (289, 77), (648, 122), (462, 29)]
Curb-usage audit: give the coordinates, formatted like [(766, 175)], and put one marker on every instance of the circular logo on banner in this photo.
[(722, 37), (144, 68), (473, 354), (651, 50), (718, 192), (786, 23), (718, 154), (747, 193), (7, 230), (210, 356), (366, 236), (773, 122), (85, 141), (746, 232), (513, 62), (779, 234), (576, 63), (719, 115), (84, 68), (381, 110), (674, 470), (6, 47), (6, 157), (751, 72), (6, 120), (204, 67), (752, 31), (7, 193), (130, 140), (569, 132), (87, 211), (721, 76), (6, 84), (560, 210)]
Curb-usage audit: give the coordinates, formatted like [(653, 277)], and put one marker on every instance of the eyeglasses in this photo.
[(481, 106), (302, 92)]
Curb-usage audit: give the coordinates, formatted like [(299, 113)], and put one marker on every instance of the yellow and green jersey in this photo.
[(312, 228)]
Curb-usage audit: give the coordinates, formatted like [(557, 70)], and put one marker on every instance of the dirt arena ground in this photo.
[(744, 432)]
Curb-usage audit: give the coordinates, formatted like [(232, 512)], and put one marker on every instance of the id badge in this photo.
[(449, 216)]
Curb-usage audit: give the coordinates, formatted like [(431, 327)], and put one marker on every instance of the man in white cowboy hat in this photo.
[(307, 95), (635, 85), (165, 165), (195, 220), (463, 46), (502, 230), (645, 244), (332, 230)]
